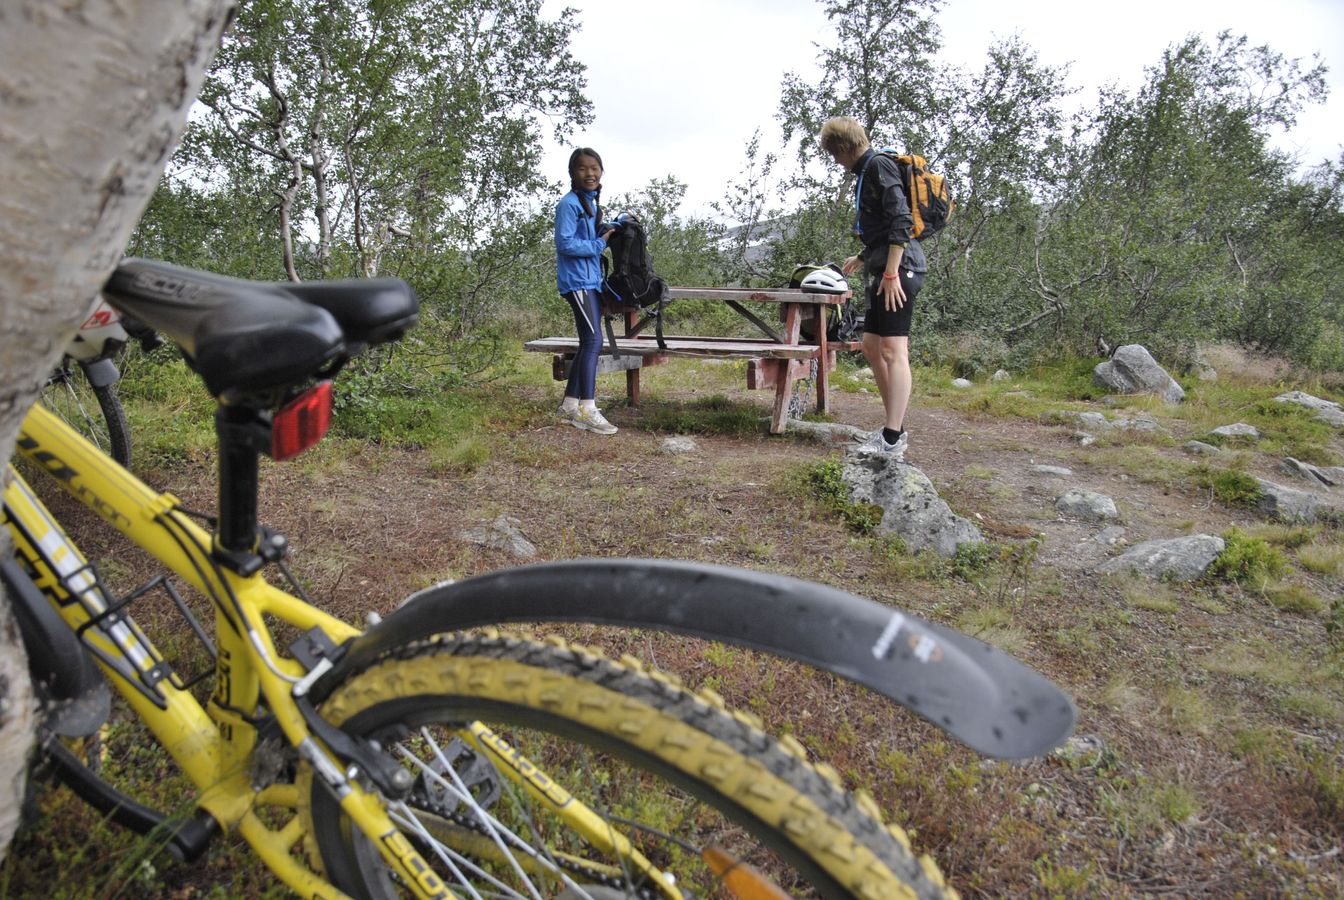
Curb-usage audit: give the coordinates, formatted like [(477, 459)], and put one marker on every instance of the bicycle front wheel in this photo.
[(95, 411), (547, 770)]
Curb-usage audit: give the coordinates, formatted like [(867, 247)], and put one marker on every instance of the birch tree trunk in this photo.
[(93, 98)]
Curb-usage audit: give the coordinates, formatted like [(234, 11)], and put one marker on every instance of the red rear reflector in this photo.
[(301, 422)]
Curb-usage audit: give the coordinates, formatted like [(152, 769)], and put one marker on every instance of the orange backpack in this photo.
[(926, 192)]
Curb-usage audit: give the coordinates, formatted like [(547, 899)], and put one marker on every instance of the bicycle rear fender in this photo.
[(984, 698)]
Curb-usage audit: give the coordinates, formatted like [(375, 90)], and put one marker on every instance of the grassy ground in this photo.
[(1209, 757)]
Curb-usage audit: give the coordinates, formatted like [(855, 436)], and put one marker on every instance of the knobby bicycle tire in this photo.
[(71, 395), (766, 805)]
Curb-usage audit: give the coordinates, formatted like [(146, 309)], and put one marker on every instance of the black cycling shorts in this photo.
[(895, 323)]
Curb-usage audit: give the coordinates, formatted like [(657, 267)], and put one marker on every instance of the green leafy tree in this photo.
[(746, 202), (383, 133), (1001, 151), (880, 71), (1170, 188)]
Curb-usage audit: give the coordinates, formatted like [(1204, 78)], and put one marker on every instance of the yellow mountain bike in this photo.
[(434, 755)]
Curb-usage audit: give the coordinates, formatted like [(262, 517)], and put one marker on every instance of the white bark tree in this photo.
[(93, 98)]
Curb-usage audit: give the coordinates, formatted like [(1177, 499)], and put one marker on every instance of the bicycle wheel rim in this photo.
[(95, 412), (670, 798)]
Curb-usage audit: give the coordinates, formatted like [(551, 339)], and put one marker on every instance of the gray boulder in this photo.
[(911, 507), (1321, 476), (1056, 471), (1087, 505), (1291, 505), (1171, 559), (1201, 448), (1132, 370), (1326, 410)]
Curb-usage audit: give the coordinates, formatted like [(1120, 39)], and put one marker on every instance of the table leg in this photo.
[(790, 371), (823, 360), (631, 375)]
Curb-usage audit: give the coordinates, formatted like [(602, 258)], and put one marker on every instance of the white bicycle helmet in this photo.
[(827, 279)]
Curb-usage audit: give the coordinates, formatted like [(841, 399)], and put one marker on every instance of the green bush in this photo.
[(1334, 627), (826, 481), (1230, 486), (971, 560), (1248, 560)]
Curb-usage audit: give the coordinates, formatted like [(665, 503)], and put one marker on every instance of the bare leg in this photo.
[(890, 361), (872, 350)]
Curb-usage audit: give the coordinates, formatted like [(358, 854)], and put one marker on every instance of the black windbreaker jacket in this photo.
[(883, 214)]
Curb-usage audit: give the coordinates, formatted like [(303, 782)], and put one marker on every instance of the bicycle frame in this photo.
[(212, 746)]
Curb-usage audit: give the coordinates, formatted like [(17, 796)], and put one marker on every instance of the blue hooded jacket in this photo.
[(578, 249)]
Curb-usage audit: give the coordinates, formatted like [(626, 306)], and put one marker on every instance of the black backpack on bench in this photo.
[(631, 283)]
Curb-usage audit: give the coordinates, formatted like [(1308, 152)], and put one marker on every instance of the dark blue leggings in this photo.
[(588, 321)]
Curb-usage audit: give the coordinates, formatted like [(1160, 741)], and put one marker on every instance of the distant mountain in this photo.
[(759, 237)]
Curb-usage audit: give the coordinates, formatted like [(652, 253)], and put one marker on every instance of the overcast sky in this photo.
[(679, 86)]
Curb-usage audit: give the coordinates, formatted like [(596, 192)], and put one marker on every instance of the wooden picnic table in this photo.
[(779, 358)]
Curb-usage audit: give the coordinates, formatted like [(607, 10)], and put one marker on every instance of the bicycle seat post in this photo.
[(240, 543)]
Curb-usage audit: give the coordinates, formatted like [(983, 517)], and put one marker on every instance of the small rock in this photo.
[(679, 444), (1087, 505), (1201, 448), (961, 383), (1052, 470), (1109, 536), (1094, 420), (999, 375), (827, 432), (1090, 553), (1084, 439), (503, 534), (1142, 422), (866, 372), (1239, 430), (1082, 747)]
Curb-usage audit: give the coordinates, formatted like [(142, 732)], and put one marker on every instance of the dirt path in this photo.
[(1213, 730)]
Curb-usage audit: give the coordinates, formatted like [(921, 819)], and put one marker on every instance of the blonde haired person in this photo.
[(894, 268)]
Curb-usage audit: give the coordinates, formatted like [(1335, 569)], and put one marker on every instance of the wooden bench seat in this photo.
[(701, 347), (780, 359)]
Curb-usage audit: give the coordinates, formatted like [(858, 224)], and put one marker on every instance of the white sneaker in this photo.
[(566, 415), (591, 419), (878, 444)]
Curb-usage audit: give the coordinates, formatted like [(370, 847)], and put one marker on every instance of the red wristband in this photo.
[(886, 277)]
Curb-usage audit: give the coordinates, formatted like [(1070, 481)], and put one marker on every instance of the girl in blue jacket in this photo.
[(580, 238)]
